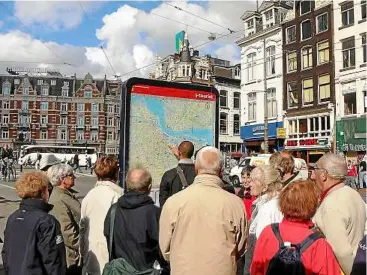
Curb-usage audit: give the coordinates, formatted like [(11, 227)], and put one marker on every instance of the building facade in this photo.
[(189, 67), (350, 76), (262, 72), (57, 110), (308, 86)]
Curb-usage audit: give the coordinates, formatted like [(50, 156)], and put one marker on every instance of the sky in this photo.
[(67, 35)]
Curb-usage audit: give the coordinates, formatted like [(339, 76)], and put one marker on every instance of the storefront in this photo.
[(309, 149), (351, 137), (253, 137)]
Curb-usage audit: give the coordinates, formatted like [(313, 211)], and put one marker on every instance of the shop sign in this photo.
[(354, 147), (258, 130), (307, 142), (281, 133)]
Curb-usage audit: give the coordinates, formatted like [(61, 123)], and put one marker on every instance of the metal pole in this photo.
[(266, 137)]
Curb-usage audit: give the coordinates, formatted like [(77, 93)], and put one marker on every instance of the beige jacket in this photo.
[(66, 209), (341, 217), (203, 229), (93, 244)]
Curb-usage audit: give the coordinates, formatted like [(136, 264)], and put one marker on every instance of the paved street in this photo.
[(9, 200)]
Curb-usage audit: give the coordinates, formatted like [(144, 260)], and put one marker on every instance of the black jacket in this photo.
[(33, 243), (135, 236), (171, 183)]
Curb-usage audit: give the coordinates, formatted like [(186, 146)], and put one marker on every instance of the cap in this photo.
[(48, 160)]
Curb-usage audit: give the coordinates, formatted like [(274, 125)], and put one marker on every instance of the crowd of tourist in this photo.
[(276, 223)]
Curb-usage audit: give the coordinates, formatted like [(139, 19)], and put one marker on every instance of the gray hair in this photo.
[(138, 179), (335, 165), (269, 178), (57, 172), (209, 160)]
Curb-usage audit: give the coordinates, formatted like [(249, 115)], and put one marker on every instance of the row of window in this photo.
[(26, 120), (308, 91), (63, 135), (64, 107), (347, 12), (269, 63), (322, 25), (318, 126), (323, 56), (224, 124), (45, 91), (271, 104), (223, 103), (41, 82)]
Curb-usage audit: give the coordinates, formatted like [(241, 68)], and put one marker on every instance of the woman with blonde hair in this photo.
[(266, 184)]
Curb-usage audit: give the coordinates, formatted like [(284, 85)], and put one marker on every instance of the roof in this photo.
[(249, 14)]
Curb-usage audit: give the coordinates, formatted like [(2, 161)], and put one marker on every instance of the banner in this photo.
[(179, 40)]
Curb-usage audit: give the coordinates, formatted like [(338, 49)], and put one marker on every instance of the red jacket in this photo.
[(317, 259), (248, 206)]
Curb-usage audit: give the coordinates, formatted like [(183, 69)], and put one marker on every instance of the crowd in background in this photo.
[(276, 223)]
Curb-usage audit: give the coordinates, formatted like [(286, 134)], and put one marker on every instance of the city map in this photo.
[(159, 121)]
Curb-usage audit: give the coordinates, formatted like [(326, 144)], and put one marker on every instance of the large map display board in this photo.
[(160, 114)]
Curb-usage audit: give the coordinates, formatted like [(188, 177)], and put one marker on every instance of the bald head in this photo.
[(335, 166), (139, 180), (186, 150), (209, 161)]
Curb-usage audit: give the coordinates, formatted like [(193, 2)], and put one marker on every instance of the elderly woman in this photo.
[(266, 183), (95, 205), (298, 203), (245, 191), (67, 211), (33, 243)]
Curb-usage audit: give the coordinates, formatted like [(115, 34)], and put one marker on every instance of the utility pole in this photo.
[(266, 136)]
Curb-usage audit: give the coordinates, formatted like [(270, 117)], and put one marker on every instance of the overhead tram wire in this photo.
[(182, 23), (101, 46), (151, 64), (29, 29), (202, 18)]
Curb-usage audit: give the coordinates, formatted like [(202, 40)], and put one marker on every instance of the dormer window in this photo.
[(87, 93), (44, 91), (66, 83), (25, 90), (269, 15), (53, 82), (305, 7), (64, 91), (6, 90), (17, 81), (250, 23), (40, 82)]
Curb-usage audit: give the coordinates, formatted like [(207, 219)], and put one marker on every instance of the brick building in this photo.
[(308, 86), (59, 110)]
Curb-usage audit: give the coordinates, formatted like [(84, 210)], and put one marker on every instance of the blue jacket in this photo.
[(33, 244)]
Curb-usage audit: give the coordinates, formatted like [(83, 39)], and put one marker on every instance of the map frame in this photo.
[(125, 119)]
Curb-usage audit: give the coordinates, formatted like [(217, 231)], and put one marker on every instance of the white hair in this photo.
[(335, 165), (57, 172), (209, 160)]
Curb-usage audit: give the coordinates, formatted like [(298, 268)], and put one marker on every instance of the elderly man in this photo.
[(135, 230), (203, 228), (67, 211), (342, 214)]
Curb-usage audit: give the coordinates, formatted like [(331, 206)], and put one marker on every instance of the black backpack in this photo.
[(288, 259)]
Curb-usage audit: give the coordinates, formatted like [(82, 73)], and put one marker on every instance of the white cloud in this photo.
[(228, 52), (131, 37), (53, 14)]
